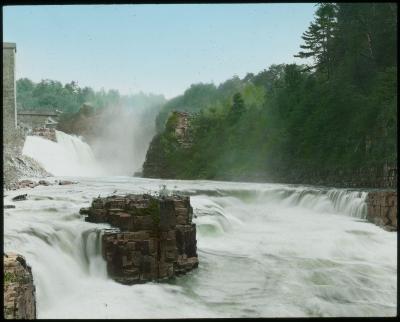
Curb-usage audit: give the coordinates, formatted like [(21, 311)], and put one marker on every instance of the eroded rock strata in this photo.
[(19, 291), (382, 209), (155, 240)]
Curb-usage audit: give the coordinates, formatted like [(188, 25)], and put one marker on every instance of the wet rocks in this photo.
[(30, 184), (19, 291), (44, 183), (20, 197), (382, 209), (155, 237), (65, 182)]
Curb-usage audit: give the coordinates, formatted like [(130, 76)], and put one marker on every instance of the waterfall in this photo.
[(69, 156), (305, 249)]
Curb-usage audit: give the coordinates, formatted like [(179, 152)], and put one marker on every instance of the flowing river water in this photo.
[(265, 250)]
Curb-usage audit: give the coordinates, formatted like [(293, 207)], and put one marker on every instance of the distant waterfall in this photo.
[(69, 156)]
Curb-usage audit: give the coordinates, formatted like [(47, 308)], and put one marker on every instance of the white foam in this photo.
[(69, 156)]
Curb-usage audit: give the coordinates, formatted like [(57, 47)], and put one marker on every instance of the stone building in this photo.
[(9, 90), (37, 118)]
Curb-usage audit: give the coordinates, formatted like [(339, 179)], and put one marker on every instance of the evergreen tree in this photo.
[(319, 38)]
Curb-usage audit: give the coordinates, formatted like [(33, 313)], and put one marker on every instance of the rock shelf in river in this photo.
[(155, 237)]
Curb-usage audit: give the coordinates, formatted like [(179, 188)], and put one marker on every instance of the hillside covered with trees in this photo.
[(335, 115), (69, 98)]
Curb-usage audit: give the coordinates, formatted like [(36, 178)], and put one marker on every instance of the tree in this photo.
[(319, 38), (237, 108)]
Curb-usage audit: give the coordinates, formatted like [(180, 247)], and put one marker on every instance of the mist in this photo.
[(123, 137)]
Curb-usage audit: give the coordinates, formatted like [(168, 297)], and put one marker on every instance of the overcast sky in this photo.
[(160, 49)]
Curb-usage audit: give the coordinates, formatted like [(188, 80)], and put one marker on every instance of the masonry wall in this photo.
[(33, 120), (9, 91)]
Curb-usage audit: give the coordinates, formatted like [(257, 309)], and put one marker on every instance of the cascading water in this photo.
[(265, 250), (69, 156)]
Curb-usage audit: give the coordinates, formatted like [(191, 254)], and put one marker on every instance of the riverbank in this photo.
[(17, 166)]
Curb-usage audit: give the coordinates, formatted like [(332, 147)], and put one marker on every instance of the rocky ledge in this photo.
[(19, 291), (154, 239), (382, 209)]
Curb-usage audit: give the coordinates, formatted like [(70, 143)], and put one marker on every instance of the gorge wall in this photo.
[(154, 238), (177, 139)]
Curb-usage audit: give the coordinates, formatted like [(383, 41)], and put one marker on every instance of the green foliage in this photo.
[(337, 115), (153, 210), (68, 98), (14, 278)]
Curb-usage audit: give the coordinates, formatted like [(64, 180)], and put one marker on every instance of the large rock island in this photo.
[(154, 238)]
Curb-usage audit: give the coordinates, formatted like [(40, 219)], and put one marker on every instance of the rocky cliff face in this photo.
[(177, 134), (382, 209), (19, 291), (155, 237)]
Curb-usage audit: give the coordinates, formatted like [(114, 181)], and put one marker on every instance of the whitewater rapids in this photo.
[(265, 250)]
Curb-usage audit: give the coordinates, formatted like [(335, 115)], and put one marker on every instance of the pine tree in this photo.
[(319, 38)]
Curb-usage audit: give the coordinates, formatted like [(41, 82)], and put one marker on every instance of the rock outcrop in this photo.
[(15, 164), (19, 291), (382, 209), (155, 237), (177, 133)]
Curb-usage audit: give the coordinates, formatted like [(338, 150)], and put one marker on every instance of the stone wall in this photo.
[(382, 209), (49, 134), (155, 240), (9, 97), (19, 291), (34, 119)]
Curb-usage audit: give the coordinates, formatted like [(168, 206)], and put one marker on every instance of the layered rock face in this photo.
[(382, 209), (155, 240), (19, 291)]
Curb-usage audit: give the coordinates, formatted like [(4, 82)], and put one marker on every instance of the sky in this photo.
[(160, 49)]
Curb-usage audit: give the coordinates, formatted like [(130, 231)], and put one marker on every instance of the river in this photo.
[(265, 250)]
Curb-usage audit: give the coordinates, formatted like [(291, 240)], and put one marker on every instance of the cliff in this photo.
[(165, 146), (19, 291), (180, 152)]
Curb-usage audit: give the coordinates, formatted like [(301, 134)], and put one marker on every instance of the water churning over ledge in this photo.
[(69, 156), (265, 250)]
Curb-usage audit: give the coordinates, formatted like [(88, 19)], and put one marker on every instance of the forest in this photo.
[(69, 98), (335, 114)]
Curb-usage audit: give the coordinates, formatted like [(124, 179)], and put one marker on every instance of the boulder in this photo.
[(20, 197), (65, 182)]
